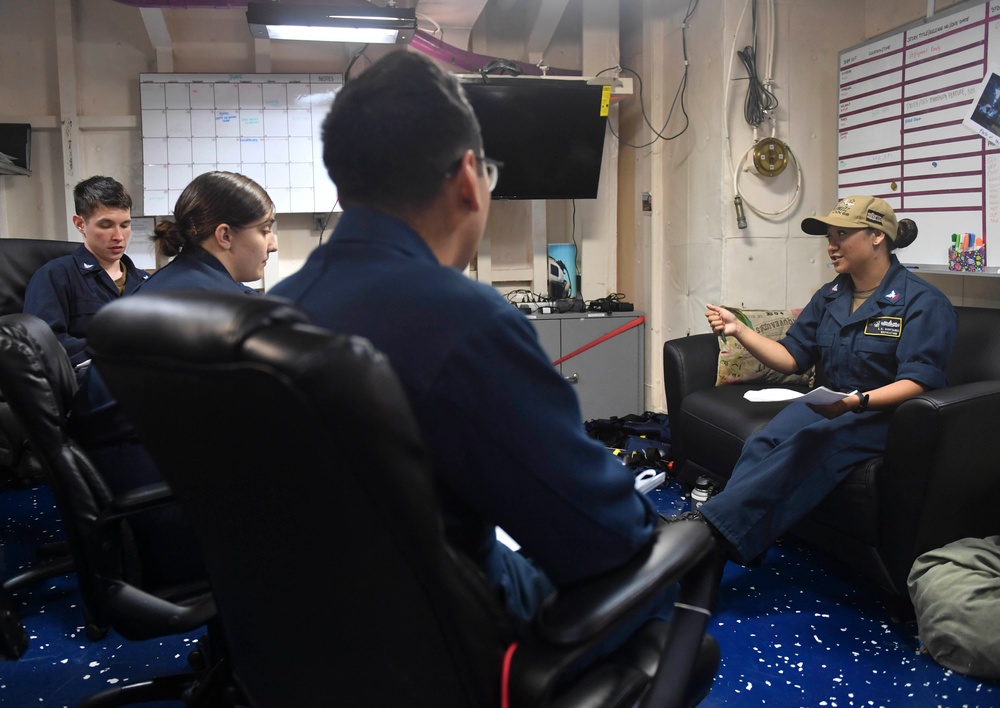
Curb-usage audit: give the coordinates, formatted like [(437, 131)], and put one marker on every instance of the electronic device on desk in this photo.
[(551, 307), (615, 302), (560, 281), (526, 301), (537, 307)]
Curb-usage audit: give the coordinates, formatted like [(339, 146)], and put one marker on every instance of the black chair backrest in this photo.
[(295, 456), (19, 259), (976, 356), (38, 380)]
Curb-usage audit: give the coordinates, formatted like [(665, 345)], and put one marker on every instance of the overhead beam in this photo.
[(69, 120), (550, 12), (159, 36), (262, 56)]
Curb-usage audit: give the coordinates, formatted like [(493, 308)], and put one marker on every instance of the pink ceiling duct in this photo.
[(467, 61)]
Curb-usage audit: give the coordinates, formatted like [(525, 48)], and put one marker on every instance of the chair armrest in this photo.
[(689, 364), (940, 480), (150, 496), (593, 608), (140, 615), (576, 620)]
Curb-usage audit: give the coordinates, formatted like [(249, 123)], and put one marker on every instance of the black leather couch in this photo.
[(938, 481), (19, 259)]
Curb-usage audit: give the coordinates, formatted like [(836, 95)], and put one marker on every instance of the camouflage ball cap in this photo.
[(856, 213)]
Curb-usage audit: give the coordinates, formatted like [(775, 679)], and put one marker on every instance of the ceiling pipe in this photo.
[(469, 61)]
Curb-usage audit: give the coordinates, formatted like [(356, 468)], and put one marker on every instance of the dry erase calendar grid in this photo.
[(265, 126)]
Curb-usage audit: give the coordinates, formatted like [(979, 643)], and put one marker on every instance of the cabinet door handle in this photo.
[(573, 378)]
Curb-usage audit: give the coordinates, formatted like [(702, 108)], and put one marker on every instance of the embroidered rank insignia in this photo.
[(884, 326), (892, 296)]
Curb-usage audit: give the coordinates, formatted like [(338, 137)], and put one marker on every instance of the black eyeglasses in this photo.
[(491, 167)]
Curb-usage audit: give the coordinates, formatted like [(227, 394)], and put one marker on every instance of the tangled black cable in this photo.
[(524, 295), (609, 303), (679, 95), (358, 55), (759, 101)]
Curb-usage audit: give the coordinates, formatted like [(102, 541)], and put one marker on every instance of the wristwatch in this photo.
[(863, 405)]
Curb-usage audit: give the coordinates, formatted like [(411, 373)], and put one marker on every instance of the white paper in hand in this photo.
[(819, 396), (771, 394)]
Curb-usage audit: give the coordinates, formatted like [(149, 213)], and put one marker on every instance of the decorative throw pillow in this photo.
[(737, 365)]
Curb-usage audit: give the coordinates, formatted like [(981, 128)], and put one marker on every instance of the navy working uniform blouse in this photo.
[(194, 268), (904, 330), (502, 427), (68, 291)]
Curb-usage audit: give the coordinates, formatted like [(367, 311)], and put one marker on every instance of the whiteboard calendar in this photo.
[(265, 126)]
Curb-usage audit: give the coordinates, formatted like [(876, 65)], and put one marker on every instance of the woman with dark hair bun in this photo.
[(881, 335), (220, 237), (906, 233)]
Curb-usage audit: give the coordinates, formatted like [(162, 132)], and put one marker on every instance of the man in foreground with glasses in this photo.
[(502, 428)]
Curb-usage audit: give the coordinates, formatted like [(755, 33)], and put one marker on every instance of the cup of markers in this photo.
[(967, 253)]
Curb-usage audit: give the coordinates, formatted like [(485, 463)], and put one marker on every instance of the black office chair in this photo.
[(296, 458), (36, 375), (19, 467), (53, 558), (19, 259)]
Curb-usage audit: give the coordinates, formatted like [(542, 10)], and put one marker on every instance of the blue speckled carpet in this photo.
[(803, 630), (799, 631)]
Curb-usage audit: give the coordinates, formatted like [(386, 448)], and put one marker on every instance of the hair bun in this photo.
[(906, 233)]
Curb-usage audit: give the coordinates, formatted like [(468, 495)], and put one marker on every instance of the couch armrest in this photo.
[(940, 480), (689, 364)]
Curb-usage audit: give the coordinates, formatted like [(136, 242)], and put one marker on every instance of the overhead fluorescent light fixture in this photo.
[(317, 23)]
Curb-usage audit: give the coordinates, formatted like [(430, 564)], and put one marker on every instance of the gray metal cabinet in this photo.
[(608, 378)]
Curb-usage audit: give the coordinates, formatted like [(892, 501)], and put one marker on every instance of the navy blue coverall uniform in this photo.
[(904, 330), (194, 268), (68, 291), (503, 429)]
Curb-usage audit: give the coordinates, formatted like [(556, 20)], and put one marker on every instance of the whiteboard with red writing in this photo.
[(904, 133)]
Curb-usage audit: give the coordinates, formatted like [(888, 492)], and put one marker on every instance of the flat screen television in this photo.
[(15, 144), (548, 133)]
